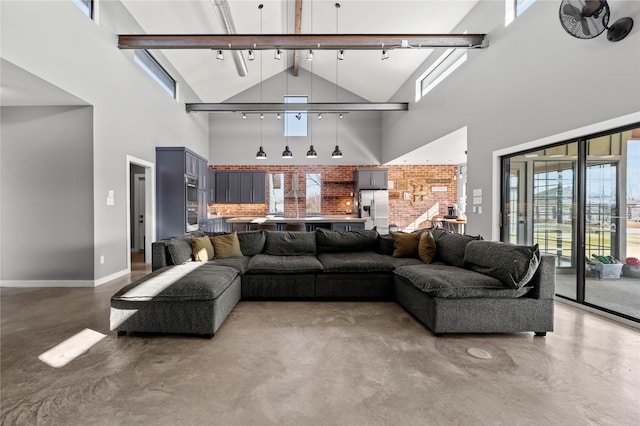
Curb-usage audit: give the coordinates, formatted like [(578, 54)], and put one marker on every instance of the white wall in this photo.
[(47, 194), (534, 81), (132, 114), (235, 141)]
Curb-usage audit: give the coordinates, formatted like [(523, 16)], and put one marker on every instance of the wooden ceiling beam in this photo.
[(300, 41), (310, 107), (297, 30)]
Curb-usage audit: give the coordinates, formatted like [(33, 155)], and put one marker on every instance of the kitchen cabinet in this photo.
[(211, 185), (240, 187), (347, 226), (371, 178), (173, 166)]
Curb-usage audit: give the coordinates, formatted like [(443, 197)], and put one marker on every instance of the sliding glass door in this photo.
[(580, 201)]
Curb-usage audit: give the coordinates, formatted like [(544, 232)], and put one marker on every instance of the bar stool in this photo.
[(268, 226), (296, 226)]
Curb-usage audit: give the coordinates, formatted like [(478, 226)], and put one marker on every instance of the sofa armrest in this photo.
[(544, 281), (160, 255)]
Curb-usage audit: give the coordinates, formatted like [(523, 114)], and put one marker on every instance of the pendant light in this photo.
[(260, 155), (336, 152), (312, 152), (287, 154)]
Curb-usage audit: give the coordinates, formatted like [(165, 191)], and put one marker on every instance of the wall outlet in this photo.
[(102, 260)]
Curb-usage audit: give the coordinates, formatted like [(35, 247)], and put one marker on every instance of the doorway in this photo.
[(140, 211)]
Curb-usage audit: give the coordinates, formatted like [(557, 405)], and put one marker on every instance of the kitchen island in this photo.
[(336, 223)]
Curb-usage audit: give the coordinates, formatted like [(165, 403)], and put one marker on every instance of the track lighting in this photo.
[(340, 54), (279, 116), (261, 116), (341, 116), (385, 55), (287, 154), (244, 116), (310, 55), (261, 155), (320, 116), (278, 54), (336, 153), (220, 56), (312, 152), (251, 55)]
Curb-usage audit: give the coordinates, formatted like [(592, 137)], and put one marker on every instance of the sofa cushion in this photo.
[(450, 247), (426, 247), (251, 242), (270, 264), (385, 244), (226, 246), (513, 265), (290, 243), (403, 261), (180, 250), (202, 249), (191, 281), (405, 245), (363, 261), (240, 263), (349, 241), (438, 280)]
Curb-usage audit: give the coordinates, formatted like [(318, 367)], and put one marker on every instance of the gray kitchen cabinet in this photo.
[(240, 187), (347, 226), (371, 178), (202, 206), (173, 166), (203, 175), (211, 186)]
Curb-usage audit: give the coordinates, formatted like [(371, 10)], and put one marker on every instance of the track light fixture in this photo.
[(340, 55), (279, 116), (261, 116), (251, 56), (278, 54), (287, 154), (341, 116), (310, 55), (244, 116), (261, 155), (336, 153), (220, 56), (312, 152), (385, 54), (320, 116)]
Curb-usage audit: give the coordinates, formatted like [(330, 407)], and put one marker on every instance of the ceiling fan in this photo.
[(588, 19)]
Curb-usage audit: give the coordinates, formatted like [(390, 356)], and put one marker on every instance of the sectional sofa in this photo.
[(449, 282)]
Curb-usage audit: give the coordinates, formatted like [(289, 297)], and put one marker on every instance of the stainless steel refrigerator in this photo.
[(374, 206)]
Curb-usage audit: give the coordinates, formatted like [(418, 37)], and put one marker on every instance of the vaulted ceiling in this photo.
[(361, 72)]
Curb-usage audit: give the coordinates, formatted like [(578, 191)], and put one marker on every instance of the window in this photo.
[(276, 193), (514, 8), (155, 70), (439, 70), (295, 122), (313, 192), (86, 6)]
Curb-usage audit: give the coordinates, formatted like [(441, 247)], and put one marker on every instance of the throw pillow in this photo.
[(405, 245), (226, 245), (180, 250), (385, 244), (202, 249), (426, 247), (451, 247), (513, 265)]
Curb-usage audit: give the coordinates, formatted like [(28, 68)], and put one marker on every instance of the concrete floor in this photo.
[(310, 363)]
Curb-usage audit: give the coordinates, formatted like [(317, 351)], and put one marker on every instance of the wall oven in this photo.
[(191, 203)]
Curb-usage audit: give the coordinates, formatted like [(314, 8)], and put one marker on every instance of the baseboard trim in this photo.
[(63, 283)]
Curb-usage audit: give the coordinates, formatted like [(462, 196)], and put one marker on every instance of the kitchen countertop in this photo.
[(282, 219)]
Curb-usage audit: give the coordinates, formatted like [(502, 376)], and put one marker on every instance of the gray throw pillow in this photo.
[(385, 244), (180, 250), (450, 247), (348, 241), (290, 243), (513, 265), (251, 242)]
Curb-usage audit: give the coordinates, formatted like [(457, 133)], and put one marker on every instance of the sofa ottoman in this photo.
[(193, 298)]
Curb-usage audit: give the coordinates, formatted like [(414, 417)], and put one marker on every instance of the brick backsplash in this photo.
[(411, 196)]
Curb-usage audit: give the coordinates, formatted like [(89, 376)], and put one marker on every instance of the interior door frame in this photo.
[(149, 206)]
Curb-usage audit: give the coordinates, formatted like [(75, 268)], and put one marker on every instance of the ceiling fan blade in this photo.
[(585, 27), (571, 10), (592, 7)]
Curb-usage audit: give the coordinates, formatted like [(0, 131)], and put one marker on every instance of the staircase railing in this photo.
[(428, 215)]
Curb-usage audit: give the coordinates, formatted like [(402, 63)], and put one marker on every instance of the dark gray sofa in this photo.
[(468, 288)]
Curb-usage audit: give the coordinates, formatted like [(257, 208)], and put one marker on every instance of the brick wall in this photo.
[(416, 189)]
